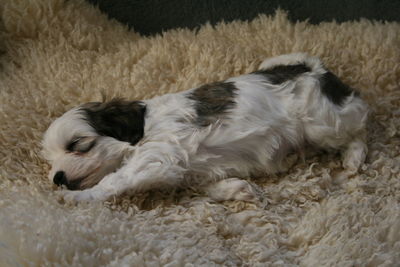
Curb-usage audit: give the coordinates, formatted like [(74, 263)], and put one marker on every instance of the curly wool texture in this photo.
[(58, 54)]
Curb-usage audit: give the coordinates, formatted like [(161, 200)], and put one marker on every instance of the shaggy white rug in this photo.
[(57, 54)]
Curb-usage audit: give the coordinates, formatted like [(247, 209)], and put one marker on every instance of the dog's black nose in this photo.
[(60, 178)]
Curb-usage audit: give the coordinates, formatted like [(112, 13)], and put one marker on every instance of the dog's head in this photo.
[(90, 141)]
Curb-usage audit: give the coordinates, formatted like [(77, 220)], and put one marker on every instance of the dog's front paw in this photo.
[(83, 196)]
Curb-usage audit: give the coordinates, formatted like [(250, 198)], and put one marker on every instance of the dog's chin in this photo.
[(93, 177), (83, 182)]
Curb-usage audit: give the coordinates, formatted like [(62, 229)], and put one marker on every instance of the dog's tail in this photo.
[(311, 62)]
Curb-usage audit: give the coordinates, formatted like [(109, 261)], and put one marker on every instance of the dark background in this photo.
[(154, 16)]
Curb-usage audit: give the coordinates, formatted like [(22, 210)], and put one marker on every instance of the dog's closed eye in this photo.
[(81, 144)]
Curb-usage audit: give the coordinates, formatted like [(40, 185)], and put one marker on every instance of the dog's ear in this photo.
[(120, 119)]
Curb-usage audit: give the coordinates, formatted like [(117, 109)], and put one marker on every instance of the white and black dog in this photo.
[(240, 127)]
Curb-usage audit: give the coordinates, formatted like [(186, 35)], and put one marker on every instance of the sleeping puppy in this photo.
[(243, 126)]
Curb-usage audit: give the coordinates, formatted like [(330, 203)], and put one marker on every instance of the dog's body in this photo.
[(241, 127)]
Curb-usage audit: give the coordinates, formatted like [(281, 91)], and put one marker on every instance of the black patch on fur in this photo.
[(334, 89), (122, 120), (212, 100), (283, 73)]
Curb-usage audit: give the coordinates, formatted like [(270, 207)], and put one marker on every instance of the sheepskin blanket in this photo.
[(56, 54)]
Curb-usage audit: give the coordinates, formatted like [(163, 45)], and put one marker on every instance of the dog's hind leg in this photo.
[(354, 155), (232, 189)]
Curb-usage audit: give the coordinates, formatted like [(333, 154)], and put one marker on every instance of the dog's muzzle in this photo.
[(60, 179)]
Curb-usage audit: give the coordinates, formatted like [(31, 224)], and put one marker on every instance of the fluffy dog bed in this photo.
[(57, 54)]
